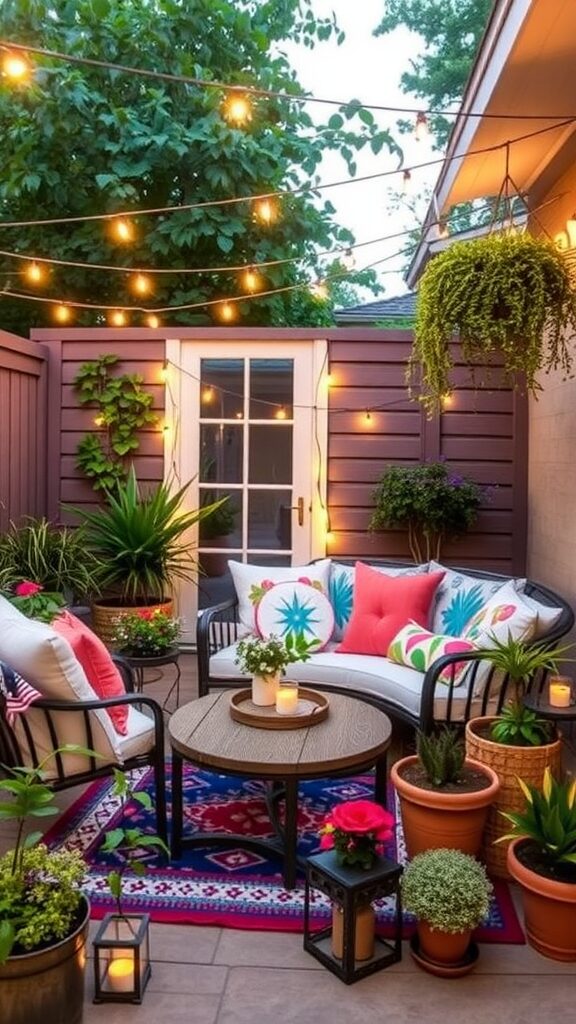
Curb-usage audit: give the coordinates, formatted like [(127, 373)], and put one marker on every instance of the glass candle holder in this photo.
[(287, 699), (560, 691)]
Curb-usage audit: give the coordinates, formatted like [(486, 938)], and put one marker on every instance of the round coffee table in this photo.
[(354, 737)]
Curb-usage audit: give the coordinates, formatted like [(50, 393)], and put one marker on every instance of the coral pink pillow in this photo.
[(101, 672), (383, 605)]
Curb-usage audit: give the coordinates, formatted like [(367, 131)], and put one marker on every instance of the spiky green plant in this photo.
[(442, 756), (509, 294), (53, 556), (549, 818), (140, 540)]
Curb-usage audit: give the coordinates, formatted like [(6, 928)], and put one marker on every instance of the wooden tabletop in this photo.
[(354, 734)]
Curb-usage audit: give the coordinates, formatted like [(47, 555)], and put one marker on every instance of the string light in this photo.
[(251, 280), (164, 372), (99, 421), (406, 182), (348, 260), (62, 314), (368, 418), (34, 273), (141, 284), (265, 210), (208, 395), (421, 131), (280, 413), (447, 399), (152, 320), (16, 67), (118, 318), (319, 290), (237, 108), (227, 312), (122, 230)]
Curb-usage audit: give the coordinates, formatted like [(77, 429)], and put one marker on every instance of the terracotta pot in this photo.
[(549, 909), (510, 764), (47, 987), (264, 690), (442, 947), (364, 936), (432, 819), (104, 616)]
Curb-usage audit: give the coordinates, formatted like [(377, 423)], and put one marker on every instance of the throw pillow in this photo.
[(547, 615), (383, 605), (417, 648), (458, 599), (297, 609), (504, 615), (101, 672), (252, 581), (341, 589)]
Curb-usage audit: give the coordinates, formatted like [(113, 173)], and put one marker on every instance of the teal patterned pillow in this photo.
[(459, 599)]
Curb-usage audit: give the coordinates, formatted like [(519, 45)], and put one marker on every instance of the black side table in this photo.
[(350, 888), (170, 657), (539, 703)]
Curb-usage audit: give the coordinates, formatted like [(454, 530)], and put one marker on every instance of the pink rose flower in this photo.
[(363, 816), (327, 841), (27, 589)]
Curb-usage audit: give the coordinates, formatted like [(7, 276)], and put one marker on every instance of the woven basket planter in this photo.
[(510, 764), (105, 616)]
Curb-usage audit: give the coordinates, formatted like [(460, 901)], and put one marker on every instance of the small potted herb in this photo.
[(449, 893), (266, 659)]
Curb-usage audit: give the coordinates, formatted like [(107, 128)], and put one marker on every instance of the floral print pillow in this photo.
[(459, 599), (417, 648), (505, 615), (253, 581)]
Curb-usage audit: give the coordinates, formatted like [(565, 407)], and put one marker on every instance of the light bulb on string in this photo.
[(226, 312), (348, 260), (368, 421), (99, 421), (237, 108), (280, 413), (406, 182), (164, 373), (117, 318), (62, 313), (152, 320), (265, 210), (251, 280), (319, 290), (140, 284), (16, 67), (122, 230), (34, 273), (421, 130), (208, 396)]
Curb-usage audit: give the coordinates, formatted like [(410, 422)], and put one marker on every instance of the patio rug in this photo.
[(234, 887)]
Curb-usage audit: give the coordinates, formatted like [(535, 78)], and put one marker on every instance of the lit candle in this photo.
[(121, 974), (287, 699), (560, 692)]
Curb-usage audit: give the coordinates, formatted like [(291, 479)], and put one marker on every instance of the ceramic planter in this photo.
[(510, 764), (442, 947), (432, 818), (47, 987), (549, 909), (264, 690)]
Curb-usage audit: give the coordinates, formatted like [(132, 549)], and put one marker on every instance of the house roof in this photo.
[(399, 306), (524, 68)]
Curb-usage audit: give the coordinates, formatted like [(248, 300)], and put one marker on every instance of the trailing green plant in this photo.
[(508, 294), (448, 889), (39, 889), (442, 756), (266, 656), (53, 556), (549, 818), (432, 502), (127, 843), (517, 725), (123, 409), (140, 540)]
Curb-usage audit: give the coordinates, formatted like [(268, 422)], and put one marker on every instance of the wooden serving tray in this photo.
[(312, 708)]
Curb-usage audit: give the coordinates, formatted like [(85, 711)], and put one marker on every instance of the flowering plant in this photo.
[(266, 657), (146, 633), (357, 830), (35, 602)]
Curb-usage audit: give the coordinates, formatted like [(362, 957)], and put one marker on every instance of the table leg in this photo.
[(290, 832), (177, 808), (381, 779)]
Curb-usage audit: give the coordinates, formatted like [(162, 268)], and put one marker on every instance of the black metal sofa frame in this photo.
[(218, 628)]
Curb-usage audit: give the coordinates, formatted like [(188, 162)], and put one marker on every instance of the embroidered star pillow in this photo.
[(296, 609)]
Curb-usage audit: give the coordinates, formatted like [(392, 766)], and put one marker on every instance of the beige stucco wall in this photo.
[(551, 555)]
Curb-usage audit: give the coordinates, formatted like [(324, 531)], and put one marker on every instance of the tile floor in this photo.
[(223, 976)]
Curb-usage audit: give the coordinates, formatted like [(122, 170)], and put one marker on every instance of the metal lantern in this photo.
[(352, 890), (122, 958)]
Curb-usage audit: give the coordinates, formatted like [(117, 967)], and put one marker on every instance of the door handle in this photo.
[(299, 508)]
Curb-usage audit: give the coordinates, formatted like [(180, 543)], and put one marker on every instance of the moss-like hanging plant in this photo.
[(509, 294)]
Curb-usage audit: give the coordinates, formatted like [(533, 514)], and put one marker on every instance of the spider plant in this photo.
[(53, 556)]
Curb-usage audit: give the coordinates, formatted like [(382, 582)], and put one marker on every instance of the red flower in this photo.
[(27, 589), (362, 816), (145, 613)]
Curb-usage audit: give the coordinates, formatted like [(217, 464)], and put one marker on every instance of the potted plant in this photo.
[(214, 532), (517, 743), (542, 859), (265, 659), (44, 915), (449, 893), (357, 831), (145, 633), (509, 294), (142, 542), (430, 501), (444, 797), (33, 601), (56, 557)]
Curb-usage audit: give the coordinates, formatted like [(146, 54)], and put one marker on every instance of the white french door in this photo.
[(248, 423)]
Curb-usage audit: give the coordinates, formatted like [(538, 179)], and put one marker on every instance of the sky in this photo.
[(367, 68)]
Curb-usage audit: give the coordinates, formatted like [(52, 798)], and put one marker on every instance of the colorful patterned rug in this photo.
[(234, 888)]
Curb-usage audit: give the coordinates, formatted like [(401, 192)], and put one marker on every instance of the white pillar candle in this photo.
[(287, 699), (121, 974), (560, 693)]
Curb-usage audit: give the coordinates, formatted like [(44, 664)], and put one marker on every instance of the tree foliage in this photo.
[(81, 140)]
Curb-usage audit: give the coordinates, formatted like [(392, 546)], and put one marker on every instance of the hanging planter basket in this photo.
[(508, 294)]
